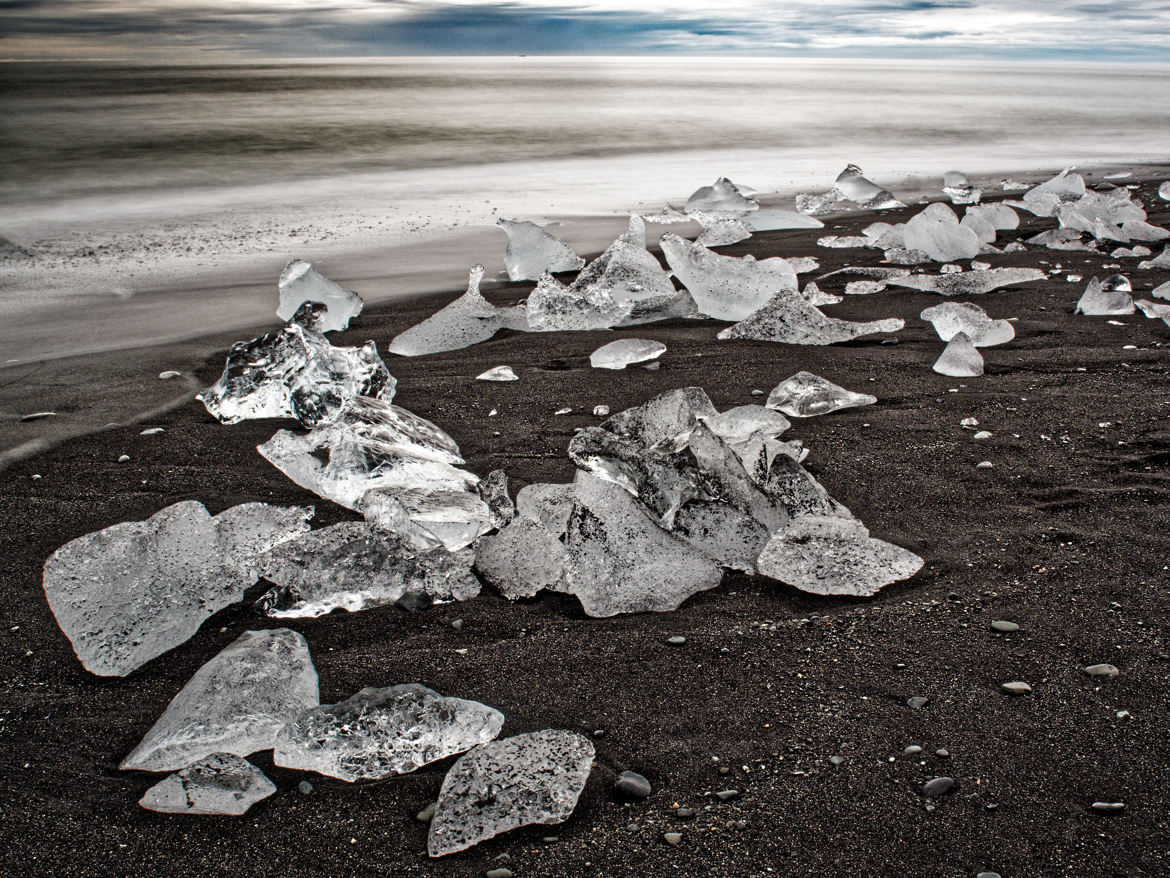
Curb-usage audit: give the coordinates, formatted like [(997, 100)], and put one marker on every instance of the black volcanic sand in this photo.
[(1067, 535)]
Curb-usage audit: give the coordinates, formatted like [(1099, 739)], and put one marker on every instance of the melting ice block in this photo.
[(1162, 291), (1153, 309), (998, 215), (951, 318), (626, 273), (503, 785), (1162, 260), (498, 373), (354, 566), (745, 423), (236, 703), (958, 188), (832, 555), (127, 594), (381, 732), (937, 233), (553, 307), (969, 283), (532, 251), (221, 784), (1047, 198), (855, 187), (1097, 301), (789, 318), (468, 320), (301, 283), (960, 358), (1062, 239), (522, 559), (720, 230), (625, 352), (723, 196), (726, 287), (295, 373), (805, 395)]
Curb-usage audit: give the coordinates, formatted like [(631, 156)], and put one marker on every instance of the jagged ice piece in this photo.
[(301, 283), (805, 395), (222, 784), (532, 251), (1099, 302), (625, 352), (951, 318), (969, 283), (960, 358), (789, 318), (726, 287)]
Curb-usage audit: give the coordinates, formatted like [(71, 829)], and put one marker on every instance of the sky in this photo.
[(1080, 30)]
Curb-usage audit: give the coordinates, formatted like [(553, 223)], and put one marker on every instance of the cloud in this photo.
[(1136, 30)]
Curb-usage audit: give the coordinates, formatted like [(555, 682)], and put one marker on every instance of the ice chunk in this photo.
[(864, 287), (969, 283), (295, 373), (625, 352), (354, 566), (771, 219), (626, 272), (381, 732), (856, 188), (221, 784), (550, 505), (553, 307), (385, 512), (746, 422), (493, 490), (498, 373), (984, 230), (236, 703), (300, 283), (468, 320), (902, 256), (785, 480), (1097, 301), (960, 358), (814, 295), (1162, 260), (127, 594), (1047, 198), (958, 188), (998, 215), (803, 264), (532, 251), (618, 560), (805, 395), (667, 216), (503, 785), (447, 510), (1153, 309), (522, 559), (936, 232), (838, 242), (1062, 239), (1137, 230), (833, 555), (788, 318), (723, 196), (720, 230), (951, 318), (1162, 291), (726, 287)]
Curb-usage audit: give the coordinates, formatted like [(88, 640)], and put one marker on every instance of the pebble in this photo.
[(969, 423), (684, 813), (672, 838), (498, 873), (912, 750), (893, 340), (988, 875), (1123, 714), (676, 640), (757, 393), (1004, 627), (942, 753), (917, 701), (414, 601), (427, 814), (939, 786), (1016, 687), (741, 824), (632, 785), (305, 787), (1102, 670), (727, 795), (168, 375), (457, 624), (984, 464), (982, 434), (723, 769), (837, 760), (124, 458), (152, 431), (1108, 807), (631, 828), (601, 410)]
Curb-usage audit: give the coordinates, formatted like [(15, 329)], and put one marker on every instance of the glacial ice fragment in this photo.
[(221, 784), (1162, 291), (746, 422), (236, 703), (788, 318), (355, 566), (502, 785), (522, 559), (998, 215), (958, 188), (772, 219), (805, 395), (1153, 309), (493, 491), (846, 242), (468, 320), (969, 283), (498, 373), (127, 594), (861, 191), (790, 484), (553, 307), (951, 318), (385, 512), (301, 283), (532, 251), (449, 510), (1164, 191), (833, 555), (625, 352), (550, 505), (1099, 302), (1162, 260), (381, 732), (960, 358), (1047, 198), (723, 196), (936, 232), (1062, 239), (720, 230), (726, 287), (295, 373)]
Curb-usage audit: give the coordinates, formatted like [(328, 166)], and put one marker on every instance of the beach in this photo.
[(797, 703)]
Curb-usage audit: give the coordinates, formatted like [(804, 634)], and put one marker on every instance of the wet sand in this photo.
[(1065, 535)]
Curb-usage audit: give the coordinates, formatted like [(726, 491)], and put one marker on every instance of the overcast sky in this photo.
[(1105, 30)]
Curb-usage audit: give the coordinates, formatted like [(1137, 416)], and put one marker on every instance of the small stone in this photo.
[(988, 875), (727, 795), (427, 814), (168, 375), (917, 701), (942, 753), (969, 423), (632, 785), (723, 769), (457, 624), (414, 601), (939, 786), (1016, 687), (981, 435), (1102, 670), (1108, 807), (498, 873), (984, 464), (837, 760), (1004, 627), (684, 813), (757, 393), (676, 640), (672, 838), (912, 750), (741, 824), (305, 787), (632, 828), (1123, 714), (124, 458), (151, 431)]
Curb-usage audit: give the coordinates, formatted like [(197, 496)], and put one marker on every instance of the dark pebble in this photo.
[(917, 701), (632, 785), (939, 786)]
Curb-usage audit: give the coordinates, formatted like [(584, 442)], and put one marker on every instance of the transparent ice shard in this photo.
[(127, 594), (236, 703), (385, 512), (301, 283), (833, 555), (1047, 198), (1099, 302), (498, 373), (1162, 260), (449, 510), (1162, 291), (1139, 230), (354, 566), (1153, 309), (789, 318), (936, 232), (493, 491), (667, 216), (958, 188), (722, 196), (960, 358), (805, 395), (522, 559), (625, 352), (861, 191), (531, 778), (720, 230), (468, 320), (864, 287), (532, 251), (1062, 239), (951, 318), (553, 307), (772, 219), (969, 283), (1164, 191), (378, 733), (550, 505), (619, 560), (998, 215), (746, 422), (846, 242), (221, 784), (726, 287), (295, 373), (814, 295)]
